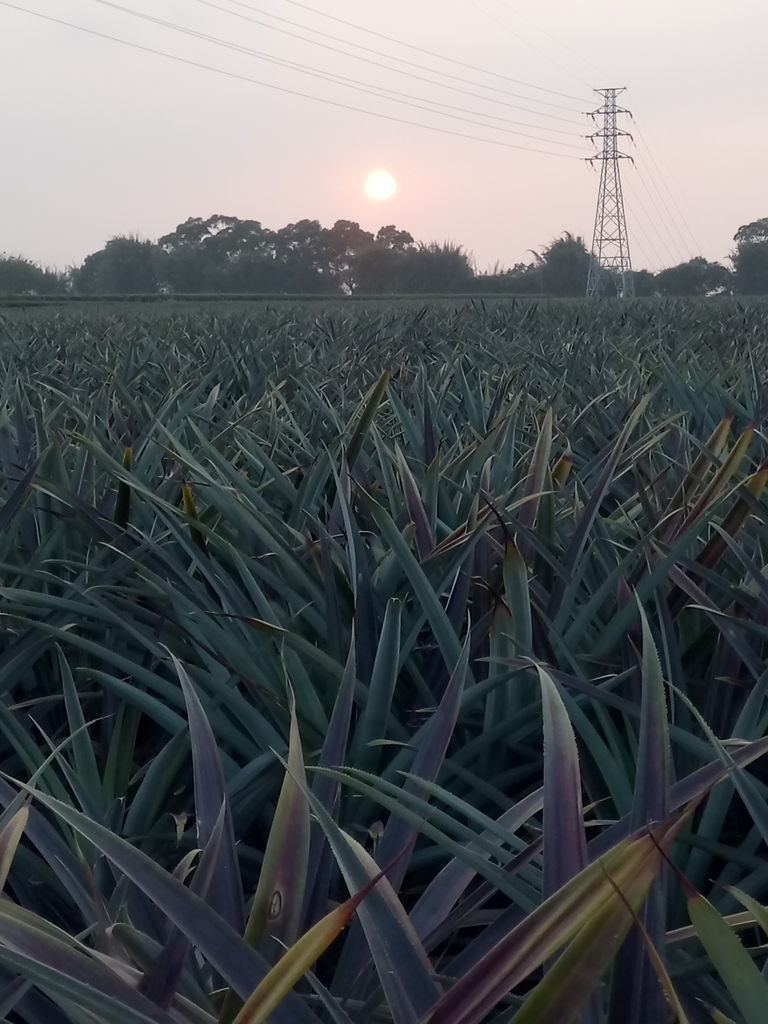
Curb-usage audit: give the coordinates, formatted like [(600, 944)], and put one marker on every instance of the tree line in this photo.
[(227, 255)]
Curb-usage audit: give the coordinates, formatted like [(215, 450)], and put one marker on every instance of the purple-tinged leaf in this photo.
[(336, 1012), (588, 515), (560, 920), (82, 748), (429, 819), (446, 888), (487, 938), (691, 788), (326, 792), (240, 966), (429, 447), (365, 625), (275, 918), (408, 986), (374, 717), (745, 786), (298, 958), (18, 497), (47, 956), (144, 951), (711, 451), (636, 992), (425, 540), (331, 593), (721, 621), (56, 854), (565, 849), (225, 893), (568, 987), (11, 993), (534, 485), (565, 843), (500, 702), (670, 995), (161, 984), (365, 415), (517, 597), (445, 635), (399, 835), (651, 798)]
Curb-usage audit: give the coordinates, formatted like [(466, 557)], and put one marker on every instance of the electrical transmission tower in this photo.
[(610, 246)]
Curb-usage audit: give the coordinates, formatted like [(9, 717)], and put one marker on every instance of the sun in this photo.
[(380, 185)]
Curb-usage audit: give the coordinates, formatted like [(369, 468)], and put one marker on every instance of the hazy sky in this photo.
[(99, 139)]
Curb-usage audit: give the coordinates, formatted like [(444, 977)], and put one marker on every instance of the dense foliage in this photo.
[(227, 256), (472, 594), (19, 276)]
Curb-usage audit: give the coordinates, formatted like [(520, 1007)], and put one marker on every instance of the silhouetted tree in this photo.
[(344, 244), (750, 261), (394, 265), (563, 267), (696, 277), (755, 233), (220, 254), (187, 270), (437, 268), (381, 270), (390, 237), (301, 250), (382, 267), (23, 277), (522, 279), (645, 283), (125, 266), (223, 254)]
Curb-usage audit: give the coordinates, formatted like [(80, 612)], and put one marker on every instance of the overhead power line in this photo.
[(278, 88), (351, 83), (524, 17), (645, 142), (368, 49), (637, 204), (673, 215), (671, 220), (680, 255), (409, 74), (478, 113), (542, 53), (430, 53)]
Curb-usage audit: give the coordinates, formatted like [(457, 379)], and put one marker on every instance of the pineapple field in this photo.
[(378, 662)]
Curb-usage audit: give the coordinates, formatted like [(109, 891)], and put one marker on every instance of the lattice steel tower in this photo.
[(610, 245)]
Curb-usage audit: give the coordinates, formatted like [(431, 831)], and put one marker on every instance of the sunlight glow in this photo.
[(380, 185)]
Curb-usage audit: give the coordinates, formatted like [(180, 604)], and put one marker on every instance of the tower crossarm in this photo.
[(610, 265)]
